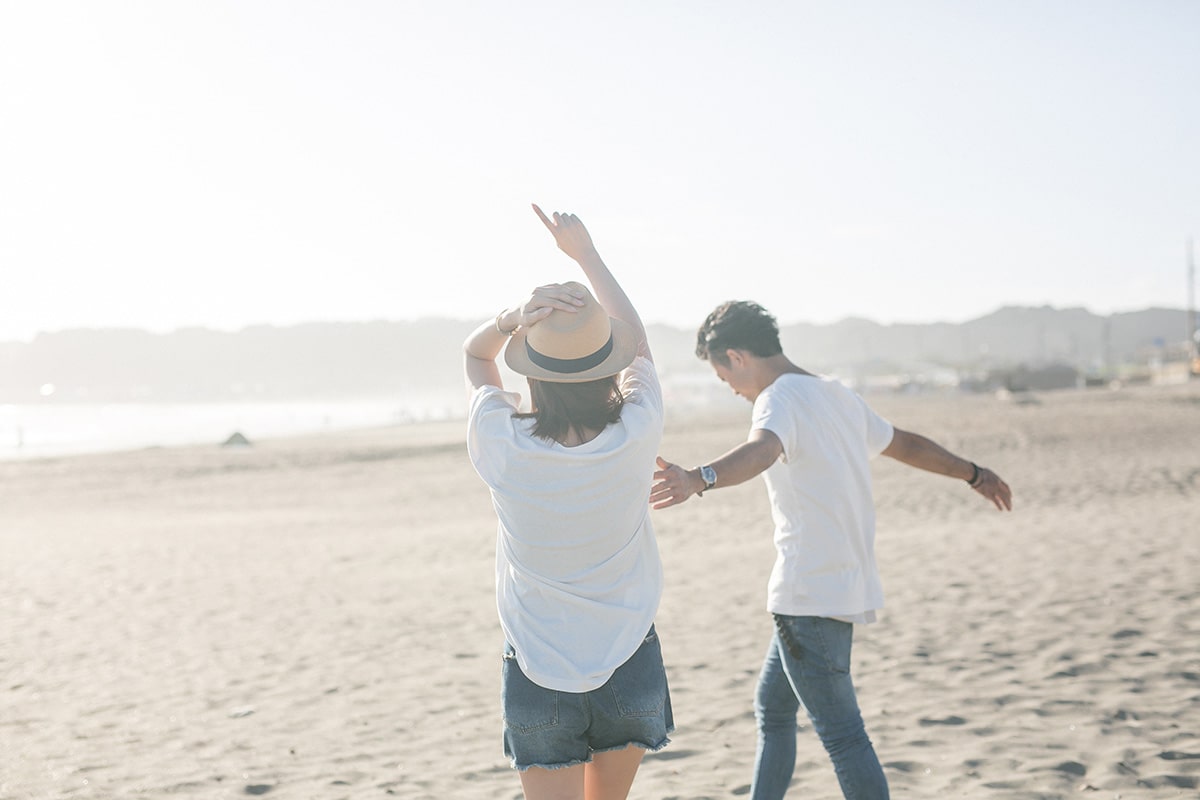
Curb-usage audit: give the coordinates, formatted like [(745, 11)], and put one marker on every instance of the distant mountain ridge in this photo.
[(423, 358)]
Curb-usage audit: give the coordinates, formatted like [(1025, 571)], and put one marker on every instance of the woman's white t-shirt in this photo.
[(578, 575), (821, 500)]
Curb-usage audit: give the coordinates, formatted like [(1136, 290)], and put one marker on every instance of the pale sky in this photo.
[(167, 164)]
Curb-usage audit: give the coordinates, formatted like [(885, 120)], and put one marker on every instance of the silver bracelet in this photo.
[(500, 330)]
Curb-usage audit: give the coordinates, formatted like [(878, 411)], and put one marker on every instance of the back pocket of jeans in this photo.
[(639, 686), (527, 706)]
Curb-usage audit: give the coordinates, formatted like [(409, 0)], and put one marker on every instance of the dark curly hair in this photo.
[(737, 325)]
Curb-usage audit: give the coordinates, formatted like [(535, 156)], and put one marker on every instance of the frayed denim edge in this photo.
[(653, 748), (563, 765)]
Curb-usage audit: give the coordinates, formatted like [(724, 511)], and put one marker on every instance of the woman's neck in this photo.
[(577, 436)]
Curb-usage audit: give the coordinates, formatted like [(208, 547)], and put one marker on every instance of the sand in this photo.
[(313, 618)]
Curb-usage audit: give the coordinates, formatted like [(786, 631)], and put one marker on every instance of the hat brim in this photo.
[(623, 352)]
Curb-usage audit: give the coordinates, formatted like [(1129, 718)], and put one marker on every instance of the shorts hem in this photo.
[(653, 748), (564, 765)]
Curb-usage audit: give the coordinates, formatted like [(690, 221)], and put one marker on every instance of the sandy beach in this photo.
[(314, 617)]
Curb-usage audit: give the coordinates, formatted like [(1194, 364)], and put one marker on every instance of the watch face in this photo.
[(709, 475)]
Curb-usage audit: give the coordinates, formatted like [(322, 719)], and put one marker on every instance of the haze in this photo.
[(223, 164)]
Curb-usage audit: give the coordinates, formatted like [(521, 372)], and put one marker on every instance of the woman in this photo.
[(578, 576)]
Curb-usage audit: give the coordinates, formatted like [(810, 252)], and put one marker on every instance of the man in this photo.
[(811, 438)]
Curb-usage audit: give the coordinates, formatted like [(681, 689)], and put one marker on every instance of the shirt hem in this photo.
[(823, 612)]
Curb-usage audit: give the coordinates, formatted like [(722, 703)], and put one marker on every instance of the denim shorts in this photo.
[(549, 729)]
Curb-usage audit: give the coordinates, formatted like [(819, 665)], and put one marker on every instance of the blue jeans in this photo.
[(808, 663)]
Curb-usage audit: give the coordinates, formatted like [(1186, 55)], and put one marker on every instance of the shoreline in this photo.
[(682, 411)]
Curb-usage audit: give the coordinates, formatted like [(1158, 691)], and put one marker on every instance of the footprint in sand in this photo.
[(951, 720), (1071, 768), (1177, 781)]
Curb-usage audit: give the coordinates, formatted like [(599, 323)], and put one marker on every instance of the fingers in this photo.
[(563, 229), (560, 220), (670, 489), (549, 225), (1005, 495), (666, 472), (1001, 495), (663, 496), (569, 223), (540, 309), (995, 489), (560, 290), (555, 296)]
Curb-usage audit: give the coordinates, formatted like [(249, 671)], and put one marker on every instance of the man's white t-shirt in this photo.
[(578, 575), (821, 501)]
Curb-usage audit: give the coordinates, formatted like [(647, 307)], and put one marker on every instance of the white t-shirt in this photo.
[(578, 575), (821, 502)]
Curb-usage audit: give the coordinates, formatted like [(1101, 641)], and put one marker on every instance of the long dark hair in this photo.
[(559, 407)]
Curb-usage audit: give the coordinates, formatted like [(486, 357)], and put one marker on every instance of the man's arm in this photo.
[(917, 451), (674, 484)]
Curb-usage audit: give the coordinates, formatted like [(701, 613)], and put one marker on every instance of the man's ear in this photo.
[(737, 358)]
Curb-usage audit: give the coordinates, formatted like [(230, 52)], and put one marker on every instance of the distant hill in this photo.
[(1007, 337), (423, 358)]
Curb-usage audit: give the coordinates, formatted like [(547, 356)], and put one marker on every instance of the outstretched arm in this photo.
[(917, 451), (574, 240), (674, 484), (485, 342)]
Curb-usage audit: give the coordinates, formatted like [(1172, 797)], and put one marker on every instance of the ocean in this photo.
[(42, 430)]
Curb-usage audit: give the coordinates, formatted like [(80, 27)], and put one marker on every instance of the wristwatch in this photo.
[(709, 476)]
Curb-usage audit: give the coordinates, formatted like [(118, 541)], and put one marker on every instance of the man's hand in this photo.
[(674, 484), (569, 233), (991, 486)]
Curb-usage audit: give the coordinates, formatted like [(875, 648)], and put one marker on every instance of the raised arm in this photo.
[(574, 240), (917, 451), (674, 484), (485, 343)]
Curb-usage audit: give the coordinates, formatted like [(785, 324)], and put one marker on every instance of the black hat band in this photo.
[(570, 366)]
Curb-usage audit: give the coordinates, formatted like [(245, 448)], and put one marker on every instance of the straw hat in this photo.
[(568, 347)]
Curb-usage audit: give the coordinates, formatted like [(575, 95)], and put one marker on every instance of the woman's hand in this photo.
[(569, 233), (485, 343), (541, 303)]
